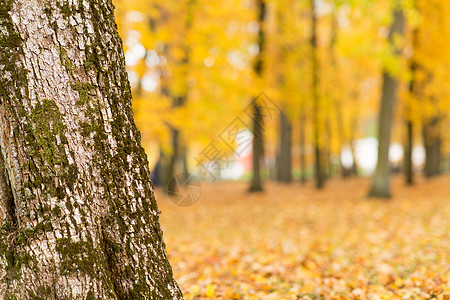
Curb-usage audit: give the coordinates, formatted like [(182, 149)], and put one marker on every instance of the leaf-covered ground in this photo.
[(293, 242)]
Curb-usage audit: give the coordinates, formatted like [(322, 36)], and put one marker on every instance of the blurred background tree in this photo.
[(195, 67)]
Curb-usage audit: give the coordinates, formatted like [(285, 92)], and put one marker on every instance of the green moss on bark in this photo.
[(51, 173), (48, 126)]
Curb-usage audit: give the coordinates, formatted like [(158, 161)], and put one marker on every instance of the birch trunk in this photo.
[(78, 214)]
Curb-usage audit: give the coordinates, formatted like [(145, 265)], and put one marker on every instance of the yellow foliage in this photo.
[(195, 71)]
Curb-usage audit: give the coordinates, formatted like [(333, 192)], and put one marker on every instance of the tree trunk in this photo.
[(381, 180), (432, 143), (381, 183), (170, 185), (344, 172), (302, 147), (186, 174), (408, 164), (258, 145), (326, 153), (337, 103), (78, 215), (353, 128), (354, 168), (255, 185), (176, 156), (319, 170), (409, 175), (284, 161)]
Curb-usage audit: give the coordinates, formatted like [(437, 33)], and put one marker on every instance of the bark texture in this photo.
[(381, 179), (78, 215)]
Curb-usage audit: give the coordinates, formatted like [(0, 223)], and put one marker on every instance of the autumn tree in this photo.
[(431, 79), (179, 98), (409, 122), (381, 182), (281, 45), (78, 215)]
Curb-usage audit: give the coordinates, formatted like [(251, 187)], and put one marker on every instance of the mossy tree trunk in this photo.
[(381, 179), (77, 210)]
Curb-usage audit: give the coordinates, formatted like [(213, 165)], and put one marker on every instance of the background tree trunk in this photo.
[(257, 153), (258, 145), (284, 161), (353, 133), (408, 165), (318, 170), (381, 179), (78, 216), (302, 147), (173, 158), (432, 144)]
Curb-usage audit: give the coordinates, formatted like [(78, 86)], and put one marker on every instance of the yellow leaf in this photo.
[(194, 290), (209, 291), (398, 283)]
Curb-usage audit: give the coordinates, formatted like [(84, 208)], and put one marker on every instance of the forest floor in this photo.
[(294, 242)]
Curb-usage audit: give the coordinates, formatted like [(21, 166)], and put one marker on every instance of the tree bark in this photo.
[(258, 145), (381, 179), (78, 215), (284, 161)]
